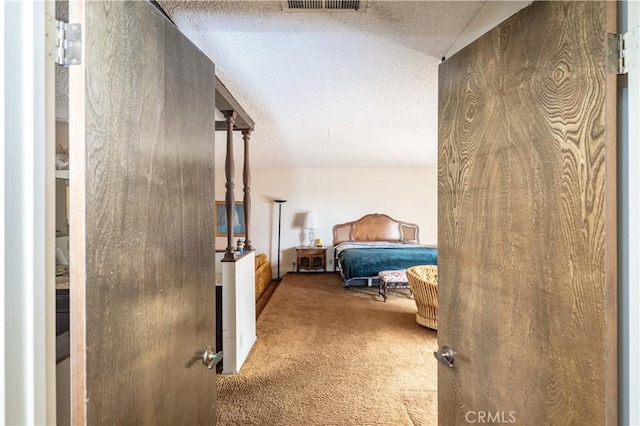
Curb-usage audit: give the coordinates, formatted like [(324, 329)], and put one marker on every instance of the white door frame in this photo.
[(27, 337), (629, 236)]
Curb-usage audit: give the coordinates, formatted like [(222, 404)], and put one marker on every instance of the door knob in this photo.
[(208, 356), (445, 355)]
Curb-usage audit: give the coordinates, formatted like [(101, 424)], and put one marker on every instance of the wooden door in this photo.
[(142, 225), (527, 231)]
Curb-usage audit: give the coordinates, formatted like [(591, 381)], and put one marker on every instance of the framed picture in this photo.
[(237, 223)]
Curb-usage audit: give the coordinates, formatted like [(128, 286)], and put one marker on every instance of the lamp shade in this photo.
[(311, 220)]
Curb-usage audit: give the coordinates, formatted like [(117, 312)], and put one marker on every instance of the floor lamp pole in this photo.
[(279, 225)]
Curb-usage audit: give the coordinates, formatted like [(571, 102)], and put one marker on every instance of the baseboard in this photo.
[(265, 296)]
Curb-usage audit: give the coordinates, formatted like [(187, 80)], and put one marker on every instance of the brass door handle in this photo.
[(445, 355)]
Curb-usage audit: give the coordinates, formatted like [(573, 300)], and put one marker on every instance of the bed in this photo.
[(375, 243)]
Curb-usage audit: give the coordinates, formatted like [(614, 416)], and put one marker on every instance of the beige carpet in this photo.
[(327, 355)]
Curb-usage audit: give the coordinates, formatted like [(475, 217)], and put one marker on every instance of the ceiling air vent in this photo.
[(324, 5)]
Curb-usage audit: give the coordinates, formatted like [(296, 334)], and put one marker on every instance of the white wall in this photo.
[(238, 312), (337, 195)]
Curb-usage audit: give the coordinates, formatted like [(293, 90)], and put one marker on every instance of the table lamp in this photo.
[(311, 222)]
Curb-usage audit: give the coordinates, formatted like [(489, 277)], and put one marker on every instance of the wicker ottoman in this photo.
[(392, 279), (424, 284)]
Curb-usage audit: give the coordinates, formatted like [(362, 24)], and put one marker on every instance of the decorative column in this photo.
[(246, 176), (229, 199)]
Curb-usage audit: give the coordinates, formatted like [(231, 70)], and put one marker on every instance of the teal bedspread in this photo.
[(367, 262)]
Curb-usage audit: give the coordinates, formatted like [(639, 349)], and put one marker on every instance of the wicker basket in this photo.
[(423, 280)]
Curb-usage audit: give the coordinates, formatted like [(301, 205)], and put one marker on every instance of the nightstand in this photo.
[(312, 258)]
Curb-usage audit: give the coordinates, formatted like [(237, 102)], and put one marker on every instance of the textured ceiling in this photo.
[(329, 89)]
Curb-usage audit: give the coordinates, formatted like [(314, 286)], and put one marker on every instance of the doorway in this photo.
[(62, 253)]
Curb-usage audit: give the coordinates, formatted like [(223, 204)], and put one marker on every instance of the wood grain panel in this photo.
[(149, 222), (525, 234)]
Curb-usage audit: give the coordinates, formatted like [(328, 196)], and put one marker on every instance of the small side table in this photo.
[(311, 258)]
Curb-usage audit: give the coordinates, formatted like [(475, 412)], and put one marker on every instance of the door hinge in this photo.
[(64, 42), (623, 51)]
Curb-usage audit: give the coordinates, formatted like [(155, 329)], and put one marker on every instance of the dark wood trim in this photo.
[(221, 126), (246, 178), (226, 102), (237, 257), (610, 225), (229, 168), (265, 297), (63, 347), (161, 10)]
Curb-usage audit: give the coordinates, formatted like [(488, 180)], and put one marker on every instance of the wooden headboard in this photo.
[(375, 227)]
